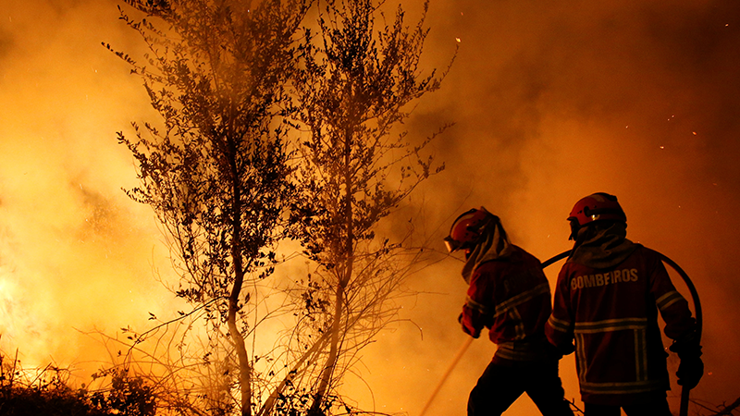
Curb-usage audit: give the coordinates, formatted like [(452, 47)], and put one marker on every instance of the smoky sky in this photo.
[(555, 101), (550, 101)]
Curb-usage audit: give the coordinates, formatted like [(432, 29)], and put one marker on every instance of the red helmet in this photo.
[(596, 207), (468, 229)]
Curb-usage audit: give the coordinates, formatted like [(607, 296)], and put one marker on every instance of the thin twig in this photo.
[(728, 410)]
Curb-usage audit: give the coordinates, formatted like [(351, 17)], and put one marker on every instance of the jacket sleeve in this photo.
[(674, 309), (559, 327), (477, 310)]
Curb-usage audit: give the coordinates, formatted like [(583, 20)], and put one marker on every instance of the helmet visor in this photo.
[(451, 244)]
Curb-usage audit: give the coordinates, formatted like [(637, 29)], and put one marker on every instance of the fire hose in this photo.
[(697, 312)]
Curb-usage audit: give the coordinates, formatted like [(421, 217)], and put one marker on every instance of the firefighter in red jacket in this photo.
[(508, 294), (607, 299)]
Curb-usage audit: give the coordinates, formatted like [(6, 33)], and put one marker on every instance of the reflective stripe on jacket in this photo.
[(511, 297), (613, 316)]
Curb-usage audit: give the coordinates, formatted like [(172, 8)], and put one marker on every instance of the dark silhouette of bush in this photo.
[(46, 392), (45, 401)]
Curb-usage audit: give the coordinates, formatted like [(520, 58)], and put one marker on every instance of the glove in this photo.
[(691, 367), (690, 371), (468, 329)]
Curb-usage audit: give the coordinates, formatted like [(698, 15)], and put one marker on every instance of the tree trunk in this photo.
[(343, 278), (331, 360), (267, 408), (245, 369)]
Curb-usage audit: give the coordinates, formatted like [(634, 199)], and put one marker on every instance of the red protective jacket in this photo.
[(511, 297), (613, 315)]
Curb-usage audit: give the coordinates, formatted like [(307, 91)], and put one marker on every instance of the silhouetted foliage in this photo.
[(219, 175), (127, 395), (46, 392), (216, 172), (354, 90)]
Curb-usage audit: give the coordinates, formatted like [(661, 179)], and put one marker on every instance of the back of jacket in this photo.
[(511, 297), (613, 315)]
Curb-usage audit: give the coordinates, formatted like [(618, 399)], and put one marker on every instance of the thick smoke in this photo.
[(556, 101), (552, 101), (76, 254)]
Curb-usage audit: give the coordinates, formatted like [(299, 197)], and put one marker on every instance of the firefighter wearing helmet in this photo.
[(607, 299), (508, 294)]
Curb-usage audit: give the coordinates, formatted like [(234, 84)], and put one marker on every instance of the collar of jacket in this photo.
[(494, 246), (602, 247)]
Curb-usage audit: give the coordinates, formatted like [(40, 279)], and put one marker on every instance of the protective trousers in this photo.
[(501, 384)]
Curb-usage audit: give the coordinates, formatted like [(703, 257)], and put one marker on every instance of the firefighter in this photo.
[(508, 294), (607, 299)]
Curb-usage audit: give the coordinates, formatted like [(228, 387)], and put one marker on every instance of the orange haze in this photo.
[(552, 101)]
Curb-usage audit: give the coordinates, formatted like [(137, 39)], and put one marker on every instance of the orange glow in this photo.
[(551, 102)]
